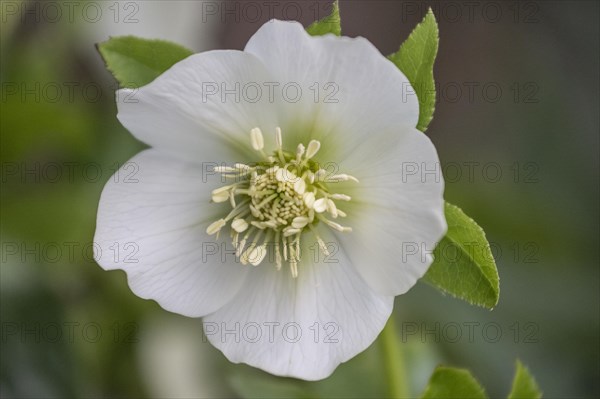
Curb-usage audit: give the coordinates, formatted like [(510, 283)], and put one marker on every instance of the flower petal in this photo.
[(303, 327), (396, 212), (152, 221), (205, 103), (368, 130), (349, 89)]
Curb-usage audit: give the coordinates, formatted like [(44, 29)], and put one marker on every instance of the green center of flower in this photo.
[(276, 200)]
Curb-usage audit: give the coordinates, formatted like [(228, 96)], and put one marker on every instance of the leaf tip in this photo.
[(524, 386), (430, 13)]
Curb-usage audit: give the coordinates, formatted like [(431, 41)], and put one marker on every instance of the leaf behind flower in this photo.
[(329, 24), (135, 62), (464, 265), (415, 59), (453, 383)]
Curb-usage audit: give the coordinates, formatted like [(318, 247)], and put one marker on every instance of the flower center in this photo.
[(276, 200)]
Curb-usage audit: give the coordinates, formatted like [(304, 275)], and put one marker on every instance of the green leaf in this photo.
[(329, 24), (450, 383), (415, 59), (524, 385), (464, 265), (135, 62)]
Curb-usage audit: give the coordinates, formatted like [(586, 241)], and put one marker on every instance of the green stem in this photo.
[(393, 359)]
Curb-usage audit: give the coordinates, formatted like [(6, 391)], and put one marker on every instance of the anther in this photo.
[(312, 149), (320, 205), (215, 227), (256, 139), (239, 225)]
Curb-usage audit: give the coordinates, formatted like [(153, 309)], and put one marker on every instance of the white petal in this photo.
[(152, 222), (369, 133), (396, 212), (361, 94), (188, 111), (303, 327)]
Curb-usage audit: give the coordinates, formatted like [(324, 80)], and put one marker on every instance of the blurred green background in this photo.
[(516, 128)]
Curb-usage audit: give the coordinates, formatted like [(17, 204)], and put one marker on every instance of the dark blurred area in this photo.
[(516, 127)]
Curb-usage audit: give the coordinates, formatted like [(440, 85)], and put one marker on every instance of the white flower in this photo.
[(337, 201)]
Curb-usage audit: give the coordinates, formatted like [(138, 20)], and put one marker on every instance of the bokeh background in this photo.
[(516, 128)]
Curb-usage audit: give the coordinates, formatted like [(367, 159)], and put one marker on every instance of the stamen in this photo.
[(299, 152), (278, 138), (277, 253), (320, 175), (334, 225), (225, 169), (293, 259), (342, 177), (312, 149), (298, 246), (256, 139), (239, 225), (299, 222), (331, 208), (240, 248), (281, 174), (309, 199), (221, 196), (221, 189), (290, 231), (258, 255), (341, 197), (320, 205), (294, 268), (300, 186), (239, 211), (266, 201), (215, 227), (243, 167), (278, 197), (320, 241), (246, 256)]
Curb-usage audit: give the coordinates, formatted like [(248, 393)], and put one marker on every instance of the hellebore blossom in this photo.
[(287, 197)]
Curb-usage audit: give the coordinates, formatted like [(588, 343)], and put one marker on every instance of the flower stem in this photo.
[(393, 359)]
